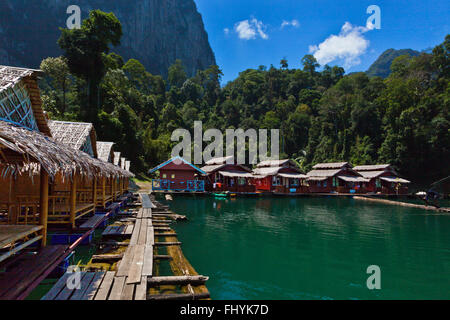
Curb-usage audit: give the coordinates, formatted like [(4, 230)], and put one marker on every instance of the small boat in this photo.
[(221, 195)]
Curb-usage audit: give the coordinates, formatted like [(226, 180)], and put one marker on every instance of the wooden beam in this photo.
[(43, 203), (167, 243), (179, 280), (181, 296), (73, 201)]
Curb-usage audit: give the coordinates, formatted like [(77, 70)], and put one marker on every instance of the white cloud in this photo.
[(226, 31), (251, 29), (293, 23), (348, 46)]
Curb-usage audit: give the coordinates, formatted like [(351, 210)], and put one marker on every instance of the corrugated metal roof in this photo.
[(395, 179), (323, 173), (331, 165), (221, 160), (267, 171), (273, 163), (371, 174), (211, 168), (293, 175), (353, 179), (375, 167), (236, 174)]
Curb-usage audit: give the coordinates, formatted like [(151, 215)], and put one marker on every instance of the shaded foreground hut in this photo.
[(39, 177)]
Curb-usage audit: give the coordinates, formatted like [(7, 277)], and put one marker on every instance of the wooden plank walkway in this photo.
[(25, 269), (93, 221), (123, 230), (134, 272)]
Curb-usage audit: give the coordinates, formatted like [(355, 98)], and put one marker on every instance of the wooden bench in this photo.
[(14, 238)]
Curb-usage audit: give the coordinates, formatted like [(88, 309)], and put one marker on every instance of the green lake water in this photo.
[(314, 248)]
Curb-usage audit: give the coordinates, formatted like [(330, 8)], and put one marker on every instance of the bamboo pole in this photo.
[(94, 195), (43, 203), (73, 201), (13, 210), (113, 187)]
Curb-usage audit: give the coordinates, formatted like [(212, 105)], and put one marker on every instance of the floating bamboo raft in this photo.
[(128, 265), (403, 204)]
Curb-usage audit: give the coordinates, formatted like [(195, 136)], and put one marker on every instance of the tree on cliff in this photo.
[(86, 48)]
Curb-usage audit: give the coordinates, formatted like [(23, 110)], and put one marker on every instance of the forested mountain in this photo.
[(323, 115), (157, 32), (382, 66)]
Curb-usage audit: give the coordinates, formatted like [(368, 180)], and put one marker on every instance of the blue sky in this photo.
[(249, 33)]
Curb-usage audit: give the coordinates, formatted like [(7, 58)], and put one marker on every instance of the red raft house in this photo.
[(382, 178), (279, 176), (178, 175), (335, 177), (223, 175)]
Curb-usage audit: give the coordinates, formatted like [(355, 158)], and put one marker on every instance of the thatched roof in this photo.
[(11, 77), (122, 162), (127, 165), (105, 151), (26, 151), (117, 158), (75, 134)]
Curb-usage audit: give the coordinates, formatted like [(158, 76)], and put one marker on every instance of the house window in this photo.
[(164, 176), (335, 183), (325, 184), (276, 181), (378, 183), (173, 176), (241, 181), (295, 182)]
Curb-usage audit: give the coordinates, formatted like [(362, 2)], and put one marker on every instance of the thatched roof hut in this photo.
[(105, 151), (78, 135), (27, 151), (117, 159), (20, 100)]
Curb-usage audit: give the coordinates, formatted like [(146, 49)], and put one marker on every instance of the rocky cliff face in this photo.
[(156, 32)]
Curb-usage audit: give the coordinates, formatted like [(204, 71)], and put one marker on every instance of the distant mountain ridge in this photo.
[(382, 66), (156, 32)]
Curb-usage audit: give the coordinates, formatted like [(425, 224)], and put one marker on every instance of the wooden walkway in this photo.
[(129, 282), (134, 272), (25, 268)]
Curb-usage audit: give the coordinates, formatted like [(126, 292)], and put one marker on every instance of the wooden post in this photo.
[(73, 201), (103, 191), (94, 190), (113, 189), (43, 204), (13, 210)]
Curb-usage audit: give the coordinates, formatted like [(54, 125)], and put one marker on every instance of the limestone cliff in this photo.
[(156, 32)]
